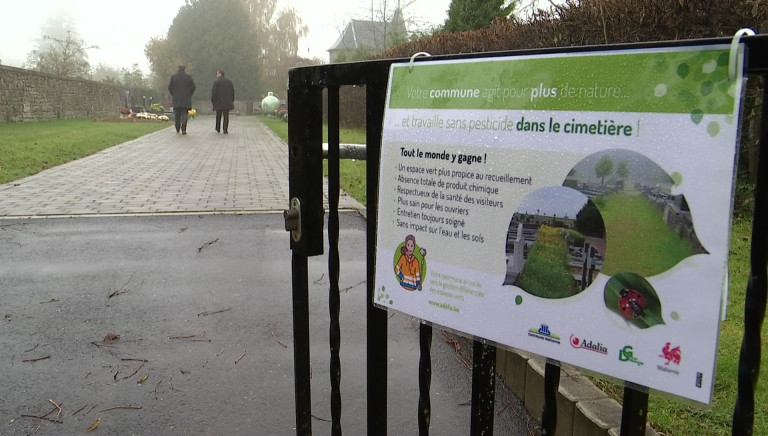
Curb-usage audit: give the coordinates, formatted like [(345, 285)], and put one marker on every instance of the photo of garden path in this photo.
[(648, 228), (555, 243)]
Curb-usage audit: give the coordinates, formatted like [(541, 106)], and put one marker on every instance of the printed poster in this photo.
[(576, 206)]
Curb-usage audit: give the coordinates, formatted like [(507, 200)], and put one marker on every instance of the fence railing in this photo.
[(305, 219)]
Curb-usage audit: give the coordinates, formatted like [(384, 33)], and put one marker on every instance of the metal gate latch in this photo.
[(292, 218)]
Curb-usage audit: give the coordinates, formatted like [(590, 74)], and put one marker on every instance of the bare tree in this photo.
[(64, 57)]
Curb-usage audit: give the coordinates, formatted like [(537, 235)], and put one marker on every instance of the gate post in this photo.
[(757, 287), (376, 318), (305, 173)]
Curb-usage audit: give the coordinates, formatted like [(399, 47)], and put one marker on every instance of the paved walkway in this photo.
[(245, 171)]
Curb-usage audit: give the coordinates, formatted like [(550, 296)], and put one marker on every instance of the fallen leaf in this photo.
[(95, 424)]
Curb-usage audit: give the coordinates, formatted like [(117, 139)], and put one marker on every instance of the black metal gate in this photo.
[(305, 220)]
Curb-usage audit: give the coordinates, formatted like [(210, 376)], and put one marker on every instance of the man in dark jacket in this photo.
[(181, 88), (223, 99)]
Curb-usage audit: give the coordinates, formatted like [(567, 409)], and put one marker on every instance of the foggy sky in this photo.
[(122, 29)]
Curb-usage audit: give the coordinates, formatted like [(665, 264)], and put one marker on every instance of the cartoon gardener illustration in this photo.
[(407, 268)]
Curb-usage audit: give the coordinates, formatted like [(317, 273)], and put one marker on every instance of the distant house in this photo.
[(368, 37)]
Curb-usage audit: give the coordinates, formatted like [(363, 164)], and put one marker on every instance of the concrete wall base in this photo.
[(582, 408)]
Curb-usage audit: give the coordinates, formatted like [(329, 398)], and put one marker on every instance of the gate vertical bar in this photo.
[(483, 388), (376, 318), (305, 173), (333, 257), (551, 385), (425, 378), (754, 305), (634, 412), (301, 344)]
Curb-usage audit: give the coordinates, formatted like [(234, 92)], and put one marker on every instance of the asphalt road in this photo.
[(149, 287)]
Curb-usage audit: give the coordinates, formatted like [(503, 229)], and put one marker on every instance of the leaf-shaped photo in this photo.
[(649, 227), (555, 243), (632, 298)]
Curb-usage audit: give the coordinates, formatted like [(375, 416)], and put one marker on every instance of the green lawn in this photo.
[(28, 148), (351, 172)]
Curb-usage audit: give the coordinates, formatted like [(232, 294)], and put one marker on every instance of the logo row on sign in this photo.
[(669, 355)]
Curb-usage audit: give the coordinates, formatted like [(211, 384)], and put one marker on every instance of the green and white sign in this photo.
[(576, 206)]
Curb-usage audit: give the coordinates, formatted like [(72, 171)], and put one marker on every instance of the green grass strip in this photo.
[(28, 148)]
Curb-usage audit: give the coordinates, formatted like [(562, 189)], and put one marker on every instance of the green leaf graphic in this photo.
[(651, 314), (713, 128), (697, 115)]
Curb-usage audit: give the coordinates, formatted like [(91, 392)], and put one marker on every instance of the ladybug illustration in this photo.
[(632, 304)]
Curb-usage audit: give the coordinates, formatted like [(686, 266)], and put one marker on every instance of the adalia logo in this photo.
[(672, 355), (543, 333), (588, 345), (627, 355)]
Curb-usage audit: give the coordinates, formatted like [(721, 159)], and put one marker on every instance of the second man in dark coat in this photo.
[(223, 99)]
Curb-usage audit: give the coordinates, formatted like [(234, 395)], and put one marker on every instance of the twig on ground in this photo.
[(191, 338), (37, 359), (122, 289), (278, 340), (58, 406), (319, 418), (134, 360), (56, 421), (318, 281), (243, 355), (32, 349), (80, 409), (133, 373), (156, 386), (353, 286), (214, 312), (51, 411), (52, 300), (120, 407), (204, 246), (465, 362)]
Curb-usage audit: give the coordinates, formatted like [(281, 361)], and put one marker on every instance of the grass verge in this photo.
[(28, 148), (351, 172)]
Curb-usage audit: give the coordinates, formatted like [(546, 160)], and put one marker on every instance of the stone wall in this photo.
[(31, 96)]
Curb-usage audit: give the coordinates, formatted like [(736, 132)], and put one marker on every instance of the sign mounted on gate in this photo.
[(576, 206)]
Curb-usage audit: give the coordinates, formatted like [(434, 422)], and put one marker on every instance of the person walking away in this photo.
[(181, 87), (223, 99)]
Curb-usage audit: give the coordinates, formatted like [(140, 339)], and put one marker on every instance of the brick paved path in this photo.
[(245, 171)]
